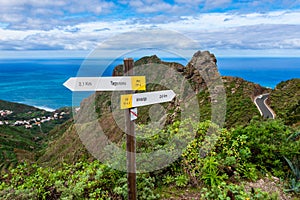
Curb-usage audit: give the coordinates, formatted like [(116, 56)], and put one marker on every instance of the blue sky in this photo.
[(227, 27)]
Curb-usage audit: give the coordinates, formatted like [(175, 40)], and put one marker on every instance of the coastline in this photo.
[(45, 108)]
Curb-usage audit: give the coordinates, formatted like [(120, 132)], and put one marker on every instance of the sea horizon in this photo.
[(38, 82)]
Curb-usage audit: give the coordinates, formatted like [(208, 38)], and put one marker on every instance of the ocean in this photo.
[(268, 72), (39, 82)]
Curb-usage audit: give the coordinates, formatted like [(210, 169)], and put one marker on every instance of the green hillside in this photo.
[(285, 101), (63, 145), (18, 143), (240, 108), (17, 107)]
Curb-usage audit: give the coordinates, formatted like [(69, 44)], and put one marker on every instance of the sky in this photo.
[(70, 28)]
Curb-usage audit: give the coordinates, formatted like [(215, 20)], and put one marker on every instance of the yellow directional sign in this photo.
[(126, 101), (138, 82)]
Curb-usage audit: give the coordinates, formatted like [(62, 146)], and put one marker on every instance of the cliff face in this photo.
[(202, 63)]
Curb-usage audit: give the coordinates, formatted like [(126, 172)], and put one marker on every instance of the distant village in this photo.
[(28, 124)]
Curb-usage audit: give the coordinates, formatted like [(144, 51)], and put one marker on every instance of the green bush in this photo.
[(210, 172), (83, 180), (268, 144), (181, 180), (231, 191)]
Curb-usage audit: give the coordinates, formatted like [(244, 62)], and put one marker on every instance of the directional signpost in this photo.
[(129, 102)]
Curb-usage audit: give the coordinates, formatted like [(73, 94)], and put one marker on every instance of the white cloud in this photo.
[(152, 6), (48, 14), (291, 43), (242, 31), (191, 2), (177, 8), (149, 38), (87, 5), (211, 4), (269, 30), (43, 54), (252, 37), (24, 14), (223, 21)]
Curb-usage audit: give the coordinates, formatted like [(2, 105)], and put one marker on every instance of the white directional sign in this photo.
[(146, 98), (106, 83)]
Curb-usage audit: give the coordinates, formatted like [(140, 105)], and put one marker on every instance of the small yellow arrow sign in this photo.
[(126, 101), (138, 82)]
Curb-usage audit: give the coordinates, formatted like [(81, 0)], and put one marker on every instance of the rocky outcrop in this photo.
[(203, 62)]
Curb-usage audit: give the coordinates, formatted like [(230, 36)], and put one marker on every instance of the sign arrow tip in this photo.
[(173, 94), (69, 84)]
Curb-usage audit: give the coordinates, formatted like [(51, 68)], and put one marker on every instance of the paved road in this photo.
[(260, 102)]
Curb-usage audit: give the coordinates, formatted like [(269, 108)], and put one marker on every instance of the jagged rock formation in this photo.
[(204, 61)]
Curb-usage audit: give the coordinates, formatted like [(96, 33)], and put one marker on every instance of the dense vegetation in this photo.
[(240, 155), (240, 108), (16, 142), (285, 101)]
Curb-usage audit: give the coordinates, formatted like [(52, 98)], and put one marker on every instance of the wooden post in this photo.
[(130, 140)]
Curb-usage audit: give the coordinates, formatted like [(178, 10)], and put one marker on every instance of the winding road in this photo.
[(264, 109)]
